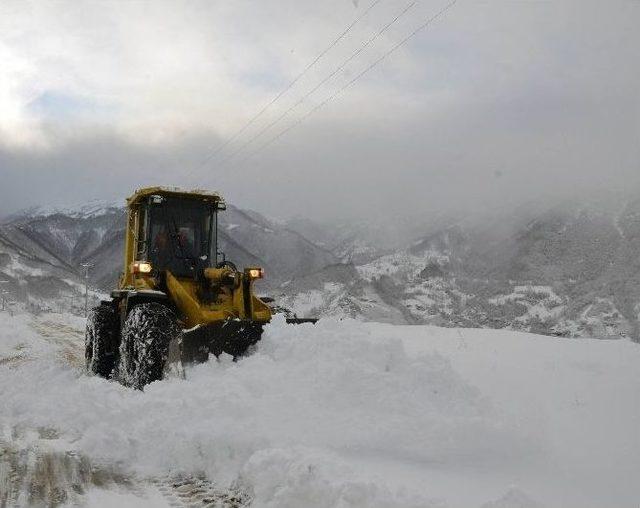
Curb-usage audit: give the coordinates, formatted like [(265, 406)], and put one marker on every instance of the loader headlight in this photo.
[(141, 267), (255, 273)]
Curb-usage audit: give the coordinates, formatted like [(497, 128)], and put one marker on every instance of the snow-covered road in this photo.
[(337, 414)]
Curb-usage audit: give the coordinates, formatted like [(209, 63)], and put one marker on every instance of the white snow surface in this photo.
[(400, 263), (350, 414)]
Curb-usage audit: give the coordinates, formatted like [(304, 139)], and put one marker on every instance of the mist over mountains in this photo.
[(568, 270)]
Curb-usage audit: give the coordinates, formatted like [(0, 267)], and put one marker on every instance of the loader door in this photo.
[(180, 236)]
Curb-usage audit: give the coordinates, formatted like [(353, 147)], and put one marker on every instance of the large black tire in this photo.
[(144, 345), (101, 341)]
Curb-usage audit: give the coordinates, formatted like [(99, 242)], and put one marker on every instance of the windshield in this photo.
[(180, 236)]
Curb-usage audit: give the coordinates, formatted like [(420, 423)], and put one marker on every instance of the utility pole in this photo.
[(71, 299), (86, 267), (4, 292)]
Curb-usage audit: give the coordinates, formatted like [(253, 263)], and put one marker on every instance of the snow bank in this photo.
[(353, 414), (579, 397), (281, 420)]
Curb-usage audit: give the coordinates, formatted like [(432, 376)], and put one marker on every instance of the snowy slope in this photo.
[(37, 281), (83, 209), (571, 270), (94, 233), (341, 414)]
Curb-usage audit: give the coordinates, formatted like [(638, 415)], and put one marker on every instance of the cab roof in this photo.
[(141, 195)]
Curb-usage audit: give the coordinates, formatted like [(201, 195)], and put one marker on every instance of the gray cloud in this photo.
[(500, 101)]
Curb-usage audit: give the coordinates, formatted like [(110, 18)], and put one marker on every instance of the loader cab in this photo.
[(177, 233)]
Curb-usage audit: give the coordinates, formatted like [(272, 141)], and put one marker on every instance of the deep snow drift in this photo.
[(350, 414)]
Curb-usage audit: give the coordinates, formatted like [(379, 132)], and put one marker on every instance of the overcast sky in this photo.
[(494, 101)]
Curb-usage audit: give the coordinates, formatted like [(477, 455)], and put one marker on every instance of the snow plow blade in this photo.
[(232, 337)]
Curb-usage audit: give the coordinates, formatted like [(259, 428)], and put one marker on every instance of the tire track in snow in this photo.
[(37, 468), (67, 340), (198, 491)]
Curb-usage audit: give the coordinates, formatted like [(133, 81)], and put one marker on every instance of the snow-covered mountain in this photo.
[(42, 250), (37, 278), (572, 270), (248, 238)]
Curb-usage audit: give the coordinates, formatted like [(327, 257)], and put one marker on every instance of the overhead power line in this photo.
[(339, 68), (352, 81), (291, 84)]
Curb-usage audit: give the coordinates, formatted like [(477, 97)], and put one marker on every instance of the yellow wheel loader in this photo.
[(178, 296)]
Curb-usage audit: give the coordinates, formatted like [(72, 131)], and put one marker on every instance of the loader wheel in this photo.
[(101, 345), (144, 347)]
